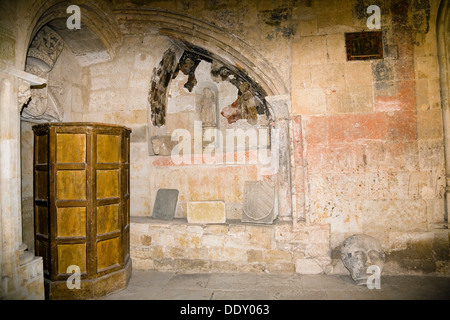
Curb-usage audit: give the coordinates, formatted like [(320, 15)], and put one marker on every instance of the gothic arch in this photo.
[(228, 48), (96, 15), (231, 51)]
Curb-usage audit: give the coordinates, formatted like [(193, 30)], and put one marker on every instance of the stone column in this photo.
[(279, 107), (443, 37), (9, 204), (21, 272)]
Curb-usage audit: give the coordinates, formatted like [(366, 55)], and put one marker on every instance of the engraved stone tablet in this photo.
[(259, 199), (165, 204)]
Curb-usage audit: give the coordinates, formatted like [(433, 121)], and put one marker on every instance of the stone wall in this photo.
[(373, 139), (365, 145), (233, 247)]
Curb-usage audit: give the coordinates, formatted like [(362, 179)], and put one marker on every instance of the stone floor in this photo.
[(150, 285)]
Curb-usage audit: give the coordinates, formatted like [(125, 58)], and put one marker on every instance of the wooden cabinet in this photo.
[(82, 208)]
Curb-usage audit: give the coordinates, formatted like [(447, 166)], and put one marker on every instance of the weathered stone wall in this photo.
[(235, 247), (372, 129), (367, 136)]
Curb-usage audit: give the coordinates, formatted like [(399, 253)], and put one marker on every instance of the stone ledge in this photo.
[(183, 221)]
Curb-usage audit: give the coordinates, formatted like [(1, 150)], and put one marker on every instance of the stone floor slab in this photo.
[(152, 285)]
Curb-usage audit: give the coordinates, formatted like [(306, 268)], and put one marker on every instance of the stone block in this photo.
[(277, 256), (394, 215), (254, 256), (204, 212), (422, 99), (301, 77), (358, 99), (336, 48), (429, 124), (307, 266), (310, 50), (307, 27), (309, 101), (358, 73), (426, 67), (328, 75), (335, 21)]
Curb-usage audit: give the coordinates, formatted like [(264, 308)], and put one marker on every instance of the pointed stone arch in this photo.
[(228, 48), (96, 15), (206, 39)]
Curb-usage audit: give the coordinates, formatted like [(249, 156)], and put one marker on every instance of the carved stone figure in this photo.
[(208, 108), (360, 251), (161, 145)]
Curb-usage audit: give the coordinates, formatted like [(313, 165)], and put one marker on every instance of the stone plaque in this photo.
[(259, 199), (204, 212), (364, 45), (165, 204)]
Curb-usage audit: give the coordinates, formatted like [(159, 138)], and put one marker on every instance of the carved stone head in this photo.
[(360, 251), (161, 145)]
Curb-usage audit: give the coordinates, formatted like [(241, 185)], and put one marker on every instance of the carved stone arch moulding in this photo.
[(96, 15), (232, 50), (239, 58)]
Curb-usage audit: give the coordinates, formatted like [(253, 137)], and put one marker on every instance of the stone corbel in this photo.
[(31, 79)]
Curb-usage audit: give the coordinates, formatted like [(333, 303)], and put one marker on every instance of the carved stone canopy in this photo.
[(45, 49), (42, 105)]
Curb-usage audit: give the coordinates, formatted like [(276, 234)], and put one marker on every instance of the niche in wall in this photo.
[(199, 88)]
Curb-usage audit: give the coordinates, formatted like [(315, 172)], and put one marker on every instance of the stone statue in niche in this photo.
[(208, 108), (42, 56), (360, 251)]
